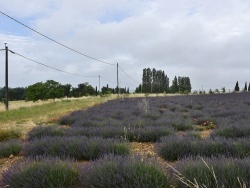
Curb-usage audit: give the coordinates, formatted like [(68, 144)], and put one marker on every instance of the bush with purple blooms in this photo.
[(138, 133), (212, 172), (123, 172), (173, 148), (43, 131), (41, 174), (77, 147)]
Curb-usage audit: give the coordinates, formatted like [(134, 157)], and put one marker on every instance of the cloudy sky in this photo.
[(206, 40)]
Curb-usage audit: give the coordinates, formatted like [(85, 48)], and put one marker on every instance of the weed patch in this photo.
[(6, 134)]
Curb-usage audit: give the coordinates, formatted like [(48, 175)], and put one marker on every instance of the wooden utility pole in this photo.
[(99, 83), (118, 91), (6, 78)]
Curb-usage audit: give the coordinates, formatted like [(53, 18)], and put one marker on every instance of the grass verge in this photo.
[(47, 113)]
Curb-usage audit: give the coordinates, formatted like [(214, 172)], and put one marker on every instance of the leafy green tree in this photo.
[(2, 94), (88, 89), (35, 92), (67, 89), (14, 94), (53, 90), (223, 90), (44, 91), (83, 89), (106, 90)]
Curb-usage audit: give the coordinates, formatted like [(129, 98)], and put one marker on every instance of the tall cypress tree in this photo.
[(237, 88), (245, 89), (248, 87)]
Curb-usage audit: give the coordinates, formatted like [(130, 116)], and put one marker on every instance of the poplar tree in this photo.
[(175, 87)]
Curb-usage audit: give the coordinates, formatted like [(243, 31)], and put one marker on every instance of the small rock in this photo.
[(11, 156)]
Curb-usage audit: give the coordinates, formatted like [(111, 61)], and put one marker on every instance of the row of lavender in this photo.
[(108, 129)]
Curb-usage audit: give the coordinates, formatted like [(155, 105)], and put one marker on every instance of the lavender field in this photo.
[(93, 146)]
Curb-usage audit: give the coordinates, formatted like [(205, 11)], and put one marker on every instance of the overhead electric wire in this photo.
[(107, 80), (76, 51), (127, 74), (49, 66), (126, 83)]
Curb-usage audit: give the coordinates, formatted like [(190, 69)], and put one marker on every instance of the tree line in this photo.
[(237, 88), (52, 90), (156, 81)]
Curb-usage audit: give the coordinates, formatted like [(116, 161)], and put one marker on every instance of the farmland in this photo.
[(183, 141)]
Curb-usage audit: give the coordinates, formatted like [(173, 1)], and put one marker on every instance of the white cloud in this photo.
[(208, 41)]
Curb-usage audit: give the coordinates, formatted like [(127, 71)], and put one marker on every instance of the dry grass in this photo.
[(13, 105), (25, 115)]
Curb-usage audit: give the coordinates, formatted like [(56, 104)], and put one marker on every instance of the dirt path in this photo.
[(147, 149)]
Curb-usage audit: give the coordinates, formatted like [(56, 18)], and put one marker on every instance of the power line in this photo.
[(49, 66), (107, 80), (76, 51), (128, 75), (126, 83)]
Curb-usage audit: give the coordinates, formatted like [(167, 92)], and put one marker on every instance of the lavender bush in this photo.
[(123, 172), (136, 133), (78, 147), (10, 147), (212, 172), (41, 174), (42, 131), (174, 148)]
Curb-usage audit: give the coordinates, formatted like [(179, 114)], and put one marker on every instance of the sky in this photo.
[(205, 40)]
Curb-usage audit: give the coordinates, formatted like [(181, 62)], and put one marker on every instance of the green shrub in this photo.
[(10, 147), (66, 120), (182, 127)]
